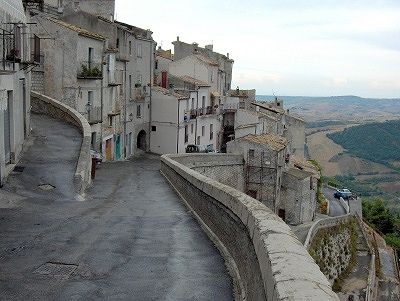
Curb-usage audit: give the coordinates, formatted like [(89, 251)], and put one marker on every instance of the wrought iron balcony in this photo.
[(90, 70)]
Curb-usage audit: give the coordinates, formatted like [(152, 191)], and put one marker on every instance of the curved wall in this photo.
[(45, 105), (269, 263)]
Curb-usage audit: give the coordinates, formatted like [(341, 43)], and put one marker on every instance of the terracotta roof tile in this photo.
[(191, 80), (206, 60), (169, 93), (81, 31)]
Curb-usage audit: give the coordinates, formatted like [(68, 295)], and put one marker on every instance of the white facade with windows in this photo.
[(14, 84)]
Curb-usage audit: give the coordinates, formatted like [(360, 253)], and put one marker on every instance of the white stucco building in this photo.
[(17, 58)]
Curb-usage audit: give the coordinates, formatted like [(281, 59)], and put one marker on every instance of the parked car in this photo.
[(192, 148), (342, 193)]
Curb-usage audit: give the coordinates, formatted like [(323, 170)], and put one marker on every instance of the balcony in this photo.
[(138, 94), (90, 70), (210, 110), (94, 115)]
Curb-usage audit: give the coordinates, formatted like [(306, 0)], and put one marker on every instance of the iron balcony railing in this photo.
[(90, 70)]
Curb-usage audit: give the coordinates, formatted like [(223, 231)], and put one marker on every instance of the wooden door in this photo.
[(108, 150)]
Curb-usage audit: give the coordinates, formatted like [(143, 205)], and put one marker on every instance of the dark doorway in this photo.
[(282, 213), (141, 140)]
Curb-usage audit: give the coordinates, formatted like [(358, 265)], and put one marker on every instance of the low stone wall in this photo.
[(226, 169), (45, 105), (345, 205), (324, 223), (265, 258)]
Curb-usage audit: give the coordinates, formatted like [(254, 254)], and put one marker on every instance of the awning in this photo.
[(14, 8)]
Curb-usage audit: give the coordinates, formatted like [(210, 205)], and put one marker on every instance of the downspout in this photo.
[(101, 104), (197, 105), (177, 130), (125, 104), (150, 83)]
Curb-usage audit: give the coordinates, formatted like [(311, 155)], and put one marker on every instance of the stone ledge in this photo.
[(288, 271), (43, 104)]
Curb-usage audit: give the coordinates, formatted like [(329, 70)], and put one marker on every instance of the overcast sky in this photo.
[(289, 47)]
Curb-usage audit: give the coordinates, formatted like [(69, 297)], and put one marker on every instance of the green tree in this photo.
[(377, 214)]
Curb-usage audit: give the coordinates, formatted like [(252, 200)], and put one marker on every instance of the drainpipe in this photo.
[(177, 131), (150, 82), (102, 103), (125, 104), (197, 105)]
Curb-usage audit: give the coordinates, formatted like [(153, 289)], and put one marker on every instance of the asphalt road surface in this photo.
[(335, 209), (131, 239)]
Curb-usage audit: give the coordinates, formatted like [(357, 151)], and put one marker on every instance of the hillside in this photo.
[(339, 108), (378, 142)]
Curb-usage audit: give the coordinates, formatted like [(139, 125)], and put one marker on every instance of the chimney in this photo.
[(177, 38), (227, 55), (209, 47)]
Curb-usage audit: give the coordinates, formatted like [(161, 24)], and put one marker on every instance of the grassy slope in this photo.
[(378, 142)]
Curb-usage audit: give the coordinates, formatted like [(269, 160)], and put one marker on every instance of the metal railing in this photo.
[(90, 70)]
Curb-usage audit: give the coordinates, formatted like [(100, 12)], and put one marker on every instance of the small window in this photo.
[(251, 153), (193, 103), (156, 64), (130, 48), (138, 111), (202, 130), (198, 139), (211, 132), (90, 98), (93, 140), (153, 128), (191, 128), (139, 50), (186, 134), (117, 43), (130, 86), (139, 80), (203, 102), (187, 104), (110, 120)]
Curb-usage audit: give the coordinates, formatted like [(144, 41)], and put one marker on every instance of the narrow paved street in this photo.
[(131, 239), (335, 209)]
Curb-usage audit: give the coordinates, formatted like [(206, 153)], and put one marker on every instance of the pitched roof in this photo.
[(169, 93), (276, 143), (206, 60), (191, 80), (81, 31), (269, 108), (245, 126)]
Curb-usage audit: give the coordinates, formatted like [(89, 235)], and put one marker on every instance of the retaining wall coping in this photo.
[(288, 271), (83, 167), (324, 223)]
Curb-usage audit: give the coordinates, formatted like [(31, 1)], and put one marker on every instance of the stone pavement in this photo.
[(131, 239)]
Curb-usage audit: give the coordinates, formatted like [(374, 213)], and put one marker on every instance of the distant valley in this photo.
[(353, 150)]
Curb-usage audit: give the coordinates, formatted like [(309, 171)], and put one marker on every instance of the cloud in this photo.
[(297, 47)]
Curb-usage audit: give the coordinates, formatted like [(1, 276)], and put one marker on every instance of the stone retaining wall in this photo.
[(266, 259), (45, 105), (324, 223)]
